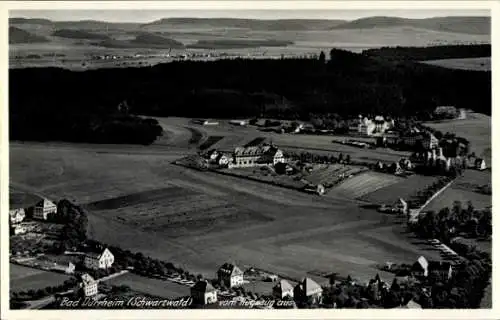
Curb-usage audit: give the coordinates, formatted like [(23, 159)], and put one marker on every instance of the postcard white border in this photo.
[(494, 6)]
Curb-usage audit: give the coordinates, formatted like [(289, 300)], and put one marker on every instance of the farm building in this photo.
[(256, 156), (462, 114), (230, 275), (283, 289), (203, 293), (43, 209), (308, 290), (17, 215), (88, 285), (102, 259)]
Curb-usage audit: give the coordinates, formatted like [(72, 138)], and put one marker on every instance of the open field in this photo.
[(139, 201), (452, 194), (476, 128), (478, 64), (25, 278), (405, 188), (365, 183), (154, 287)]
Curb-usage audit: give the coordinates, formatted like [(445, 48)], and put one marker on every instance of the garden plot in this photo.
[(330, 174), (404, 188), (364, 183)]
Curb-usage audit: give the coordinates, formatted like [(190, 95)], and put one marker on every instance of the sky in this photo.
[(143, 16)]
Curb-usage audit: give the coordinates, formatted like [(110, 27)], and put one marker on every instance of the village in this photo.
[(48, 236)]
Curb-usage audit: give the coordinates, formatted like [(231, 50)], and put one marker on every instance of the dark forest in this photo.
[(58, 104)]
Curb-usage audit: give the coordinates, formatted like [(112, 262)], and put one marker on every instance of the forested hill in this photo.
[(348, 84)]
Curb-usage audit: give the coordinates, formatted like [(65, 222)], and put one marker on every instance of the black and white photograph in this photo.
[(248, 159)]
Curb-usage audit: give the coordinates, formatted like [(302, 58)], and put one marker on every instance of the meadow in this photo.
[(405, 189), (478, 64), (153, 287), (25, 278)]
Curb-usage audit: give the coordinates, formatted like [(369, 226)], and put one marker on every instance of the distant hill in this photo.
[(94, 25), (17, 35), (254, 24), (468, 25), (79, 34), (29, 21), (149, 41)]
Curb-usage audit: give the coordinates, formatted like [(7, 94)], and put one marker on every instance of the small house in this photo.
[(420, 268), (101, 259), (88, 285), (230, 275), (283, 289), (480, 164), (203, 293), (43, 209), (17, 215), (308, 290)]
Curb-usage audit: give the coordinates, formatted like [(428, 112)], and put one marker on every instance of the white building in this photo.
[(256, 156), (283, 289), (230, 275), (43, 208), (99, 260), (17, 215), (88, 285)]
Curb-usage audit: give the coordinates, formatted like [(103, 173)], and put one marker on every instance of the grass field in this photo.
[(477, 64), (365, 183), (154, 287), (452, 194), (405, 188), (25, 278)]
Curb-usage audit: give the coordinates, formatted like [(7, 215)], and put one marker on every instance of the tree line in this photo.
[(430, 53)]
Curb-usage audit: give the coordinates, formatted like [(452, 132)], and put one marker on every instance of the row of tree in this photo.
[(448, 223)]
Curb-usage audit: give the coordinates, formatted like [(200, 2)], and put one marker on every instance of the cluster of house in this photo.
[(243, 157), (371, 127), (41, 211), (232, 276), (436, 157), (94, 260)]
